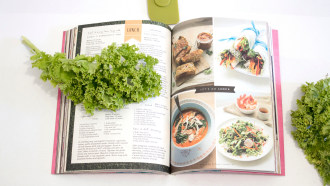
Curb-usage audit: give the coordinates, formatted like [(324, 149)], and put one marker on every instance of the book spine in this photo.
[(57, 121)]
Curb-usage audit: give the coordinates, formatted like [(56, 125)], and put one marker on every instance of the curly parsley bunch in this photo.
[(312, 123), (111, 80)]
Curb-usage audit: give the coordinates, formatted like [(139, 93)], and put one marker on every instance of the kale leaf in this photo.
[(111, 80), (312, 125), (180, 138)]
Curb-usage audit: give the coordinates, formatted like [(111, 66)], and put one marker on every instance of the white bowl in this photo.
[(263, 115), (204, 45), (246, 111), (185, 156)]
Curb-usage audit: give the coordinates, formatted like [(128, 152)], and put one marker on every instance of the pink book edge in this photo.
[(57, 121), (279, 97), (279, 108)]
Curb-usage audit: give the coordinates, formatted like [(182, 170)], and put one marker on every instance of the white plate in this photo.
[(265, 149)]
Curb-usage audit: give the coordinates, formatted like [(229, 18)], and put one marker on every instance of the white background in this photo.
[(28, 105)]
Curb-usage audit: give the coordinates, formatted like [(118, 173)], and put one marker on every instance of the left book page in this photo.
[(133, 139)]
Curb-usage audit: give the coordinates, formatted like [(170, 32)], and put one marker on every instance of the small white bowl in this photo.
[(263, 113), (204, 45), (244, 111)]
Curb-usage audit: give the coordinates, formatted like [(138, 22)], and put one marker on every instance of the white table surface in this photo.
[(27, 104)]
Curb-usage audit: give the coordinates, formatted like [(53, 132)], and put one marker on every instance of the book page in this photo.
[(222, 74), (192, 132), (252, 105), (135, 137)]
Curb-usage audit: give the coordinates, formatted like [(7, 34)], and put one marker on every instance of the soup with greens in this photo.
[(189, 129)]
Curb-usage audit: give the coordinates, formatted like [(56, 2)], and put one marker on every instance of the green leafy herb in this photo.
[(180, 138), (209, 52), (208, 71), (312, 123), (251, 54), (243, 45), (111, 80), (204, 123), (173, 84)]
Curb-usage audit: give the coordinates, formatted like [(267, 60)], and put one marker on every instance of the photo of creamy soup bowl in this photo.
[(192, 137)]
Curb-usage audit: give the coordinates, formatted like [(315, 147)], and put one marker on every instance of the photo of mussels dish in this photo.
[(246, 53), (188, 58)]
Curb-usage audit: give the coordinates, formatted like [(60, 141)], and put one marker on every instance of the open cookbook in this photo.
[(220, 108)]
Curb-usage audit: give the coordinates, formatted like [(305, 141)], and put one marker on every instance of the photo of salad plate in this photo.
[(191, 133), (244, 139)]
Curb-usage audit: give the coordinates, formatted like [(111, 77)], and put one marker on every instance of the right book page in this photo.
[(245, 123), (227, 97)]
